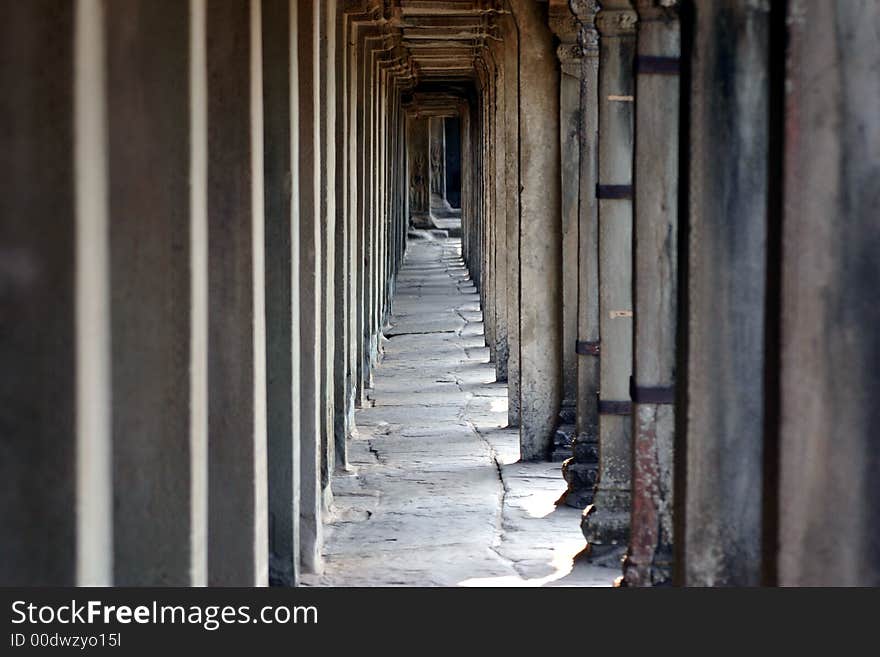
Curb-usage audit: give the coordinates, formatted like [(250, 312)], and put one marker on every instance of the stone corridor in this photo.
[(349, 292), (435, 496)]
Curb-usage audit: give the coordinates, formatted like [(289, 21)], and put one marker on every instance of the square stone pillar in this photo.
[(564, 24), (540, 243), (581, 470), (160, 516), (281, 182), (418, 171), (310, 272), (606, 521), (511, 213), (727, 286), (237, 524), (655, 271), (437, 165), (326, 126), (829, 494), (55, 458)]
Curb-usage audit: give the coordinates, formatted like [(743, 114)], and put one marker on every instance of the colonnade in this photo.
[(663, 310), (202, 218), (669, 209)]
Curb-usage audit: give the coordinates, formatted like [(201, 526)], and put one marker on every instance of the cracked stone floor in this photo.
[(436, 496)]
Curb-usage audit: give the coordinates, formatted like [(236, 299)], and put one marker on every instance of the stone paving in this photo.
[(436, 496)]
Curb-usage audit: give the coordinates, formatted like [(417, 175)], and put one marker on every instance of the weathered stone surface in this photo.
[(727, 280), (829, 514), (418, 171), (565, 26), (150, 267), (540, 243), (439, 497), (282, 297), (655, 272), (38, 291), (237, 512), (310, 288), (582, 471), (606, 522)]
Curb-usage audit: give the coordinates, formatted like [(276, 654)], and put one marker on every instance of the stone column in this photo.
[(655, 253), (466, 184), (343, 401), (476, 253), (310, 318), (727, 271), (237, 487), (829, 459), (418, 171), (326, 126), (155, 462), (437, 164), (381, 171), (508, 28), (54, 298), (581, 470), (501, 191), (540, 244), (487, 200), (371, 210), (361, 184), (354, 135), (495, 200), (280, 97), (606, 520), (565, 26)]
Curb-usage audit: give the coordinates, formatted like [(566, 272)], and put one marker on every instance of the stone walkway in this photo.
[(437, 497)]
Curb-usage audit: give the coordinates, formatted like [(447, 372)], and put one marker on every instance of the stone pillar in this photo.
[(418, 171), (361, 119), (581, 470), (281, 183), (606, 520), (54, 298), (495, 153), (829, 462), (310, 318), (466, 175), (371, 210), (511, 213), (437, 164), (727, 269), (343, 400), (501, 191), (154, 460), (237, 486), (326, 125), (655, 253), (540, 233), (487, 201), (564, 24), (354, 138), (380, 173)]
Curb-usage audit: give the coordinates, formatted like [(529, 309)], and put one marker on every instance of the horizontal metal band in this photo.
[(610, 407), (651, 394), (585, 348), (614, 191), (657, 65)]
